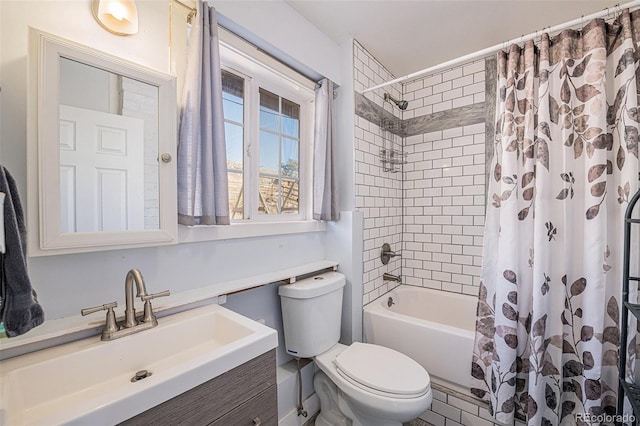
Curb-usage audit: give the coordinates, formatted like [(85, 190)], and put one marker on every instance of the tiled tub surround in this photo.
[(444, 130), (442, 185), (444, 180), (378, 193), (444, 206)]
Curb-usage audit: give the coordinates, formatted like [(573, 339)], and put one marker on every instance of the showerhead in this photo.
[(402, 104)]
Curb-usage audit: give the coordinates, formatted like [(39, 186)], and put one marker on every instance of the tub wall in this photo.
[(444, 180), (443, 193), (378, 193), (438, 201), (425, 339)]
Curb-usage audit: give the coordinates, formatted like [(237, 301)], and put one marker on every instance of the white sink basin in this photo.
[(88, 382)]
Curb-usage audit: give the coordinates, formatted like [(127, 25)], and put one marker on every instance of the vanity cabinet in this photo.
[(245, 395)]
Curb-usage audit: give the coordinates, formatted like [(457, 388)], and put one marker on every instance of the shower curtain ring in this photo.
[(610, 13), (581, 22)]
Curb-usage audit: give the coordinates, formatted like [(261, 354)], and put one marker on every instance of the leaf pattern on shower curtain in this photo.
[(565, 164)]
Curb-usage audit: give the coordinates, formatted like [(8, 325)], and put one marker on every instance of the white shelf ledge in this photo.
[(63, 330)]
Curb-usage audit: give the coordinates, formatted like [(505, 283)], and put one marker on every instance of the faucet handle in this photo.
[(148, 309), (386, 253), (105, 307), (148, 297), (110, 325)]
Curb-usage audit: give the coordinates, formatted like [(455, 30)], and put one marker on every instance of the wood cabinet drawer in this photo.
[(215, 398), (261, 409)]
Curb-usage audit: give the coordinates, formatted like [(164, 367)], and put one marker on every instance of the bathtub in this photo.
[(435, 328)]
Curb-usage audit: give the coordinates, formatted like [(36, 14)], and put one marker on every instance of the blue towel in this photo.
[(19, 311)]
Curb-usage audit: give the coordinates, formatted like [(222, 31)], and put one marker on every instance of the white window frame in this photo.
[(247, 123), (260, 70)]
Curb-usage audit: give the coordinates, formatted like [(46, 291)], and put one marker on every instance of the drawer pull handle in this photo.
[(257, 421)]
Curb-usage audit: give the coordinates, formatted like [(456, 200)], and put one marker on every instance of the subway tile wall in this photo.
[(444, 185), (434, 210), (461, 86), (378, 193)]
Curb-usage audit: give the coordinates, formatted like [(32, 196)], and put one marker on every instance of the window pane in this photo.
[(232, 97), (279, 155), (291, 126), (269, 197), (232, 84), (269, 153), (233, 136), (290, 158), (290, 196), (236, 199), (290, 109), (233, 108), (269, 111), (290, 118)]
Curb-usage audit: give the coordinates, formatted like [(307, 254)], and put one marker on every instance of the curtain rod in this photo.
[(193, 10), (484, 52)]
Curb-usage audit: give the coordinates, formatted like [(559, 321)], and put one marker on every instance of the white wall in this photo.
[(66, 284), (344, 238), (286, 31)]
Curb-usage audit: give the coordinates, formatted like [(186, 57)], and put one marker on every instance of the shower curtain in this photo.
[(564, 166)]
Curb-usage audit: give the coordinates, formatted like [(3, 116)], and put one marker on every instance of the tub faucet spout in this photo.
[(390, 277), (130, 313)]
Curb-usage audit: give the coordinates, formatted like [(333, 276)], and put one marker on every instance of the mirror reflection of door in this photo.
[(108, 151), (101, 178)]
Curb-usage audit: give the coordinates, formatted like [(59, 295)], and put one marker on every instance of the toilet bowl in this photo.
[(374, 386), (361, 384)]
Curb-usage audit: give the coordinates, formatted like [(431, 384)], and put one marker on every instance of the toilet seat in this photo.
[(382, 371)]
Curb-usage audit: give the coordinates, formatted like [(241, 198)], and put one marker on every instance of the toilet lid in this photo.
[(382, 369)]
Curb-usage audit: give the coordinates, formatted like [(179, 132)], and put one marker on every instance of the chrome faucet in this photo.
[(390, 277), (114, 330), (130, 311)]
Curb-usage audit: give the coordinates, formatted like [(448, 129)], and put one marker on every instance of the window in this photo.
[(267, 126), (278, 191)]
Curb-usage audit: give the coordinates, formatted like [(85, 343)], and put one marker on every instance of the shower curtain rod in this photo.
[(484, 52)]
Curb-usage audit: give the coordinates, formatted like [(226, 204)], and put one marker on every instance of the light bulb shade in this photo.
[(117, 16)]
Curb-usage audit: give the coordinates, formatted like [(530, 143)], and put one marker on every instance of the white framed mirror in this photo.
[(101, 151)]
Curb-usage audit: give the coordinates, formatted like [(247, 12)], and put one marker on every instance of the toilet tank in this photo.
[(312, 313)]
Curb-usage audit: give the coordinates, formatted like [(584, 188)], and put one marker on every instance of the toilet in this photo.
[(360, 384)]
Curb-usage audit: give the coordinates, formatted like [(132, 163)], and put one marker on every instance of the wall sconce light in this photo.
[(117, 16)]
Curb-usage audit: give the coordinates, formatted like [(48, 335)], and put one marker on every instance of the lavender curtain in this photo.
[(565, 164), (203, 195), (325, 179)]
